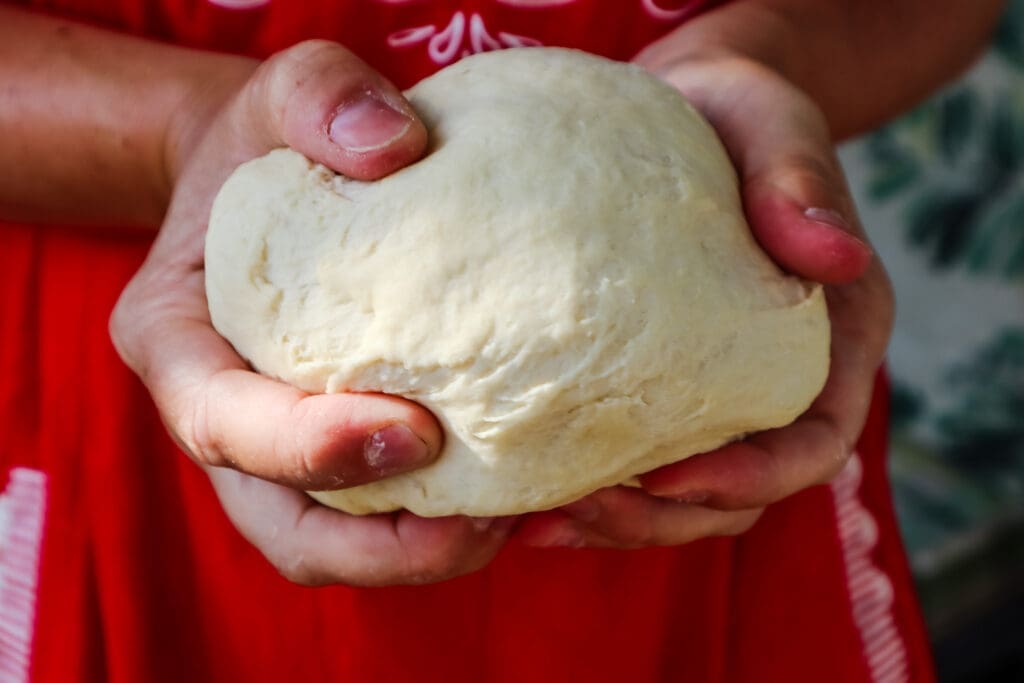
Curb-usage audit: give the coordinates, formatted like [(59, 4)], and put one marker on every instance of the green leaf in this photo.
[(956, 119), (985, 429), (919, 117), (1014, 267), (1009, 37), (893, 167), (939, 222), (881, 146), (996, 244), (892, 177), (1006, 133), (906, 406)]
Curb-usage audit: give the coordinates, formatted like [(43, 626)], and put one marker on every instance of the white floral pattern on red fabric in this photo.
[(461, 37), (536, 3), (658, 9), (22, 510), (870, 589), (239, 4)]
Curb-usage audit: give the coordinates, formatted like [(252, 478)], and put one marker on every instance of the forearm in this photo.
[(89, 118), (862, 61)]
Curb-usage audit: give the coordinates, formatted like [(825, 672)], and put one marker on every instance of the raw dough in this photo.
[(566, 280)]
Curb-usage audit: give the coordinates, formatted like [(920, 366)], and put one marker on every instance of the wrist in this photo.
[(204, 87), (742, 31)]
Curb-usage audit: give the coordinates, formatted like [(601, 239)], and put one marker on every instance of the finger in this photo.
[(322, 100), (622, 517), (774, 464), (805, 239), (793, 189), (756, 472), (316, 97), (225, 415), (314, 545)]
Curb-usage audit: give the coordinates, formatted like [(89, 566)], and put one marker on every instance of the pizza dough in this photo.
[(566, 281)]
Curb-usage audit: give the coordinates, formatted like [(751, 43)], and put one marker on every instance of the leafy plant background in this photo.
[(941, 191)]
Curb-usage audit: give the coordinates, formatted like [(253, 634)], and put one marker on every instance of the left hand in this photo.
[(801, 212), (261, 441)]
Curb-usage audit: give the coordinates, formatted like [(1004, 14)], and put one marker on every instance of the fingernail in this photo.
[(583, 509), (834, 219), (395, 448), (367, 123), (828, 217), (693, 497)]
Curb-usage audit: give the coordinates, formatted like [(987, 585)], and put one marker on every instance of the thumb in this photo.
[(323, 101), (794, 192)]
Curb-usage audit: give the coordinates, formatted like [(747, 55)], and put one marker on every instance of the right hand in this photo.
[(782, 148), (263, 442)]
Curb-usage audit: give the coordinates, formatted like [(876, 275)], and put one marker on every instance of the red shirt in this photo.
[(118, 564)]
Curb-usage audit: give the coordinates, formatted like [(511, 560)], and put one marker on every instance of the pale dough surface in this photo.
[(566, 281)]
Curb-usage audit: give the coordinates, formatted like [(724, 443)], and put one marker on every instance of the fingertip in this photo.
[(417, 418), (311, 442), (703, 479), (369, 437), (673, 480), (321, 100), (845, 256), (394, 449), (814, 243), (376, 133)]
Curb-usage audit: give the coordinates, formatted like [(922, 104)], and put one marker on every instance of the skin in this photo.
[(754, 69), (104, 128)]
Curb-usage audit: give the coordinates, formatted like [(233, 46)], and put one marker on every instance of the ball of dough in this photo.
[(566, 280)]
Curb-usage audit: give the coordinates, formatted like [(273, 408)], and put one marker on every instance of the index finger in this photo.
[(774, 464), (314, 545)]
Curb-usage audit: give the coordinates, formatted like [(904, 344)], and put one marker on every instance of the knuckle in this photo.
[(434, 567), (285, 72), (838, 452), (121, 323), (842, 456), (307, 50), (441, 561), (289, 447), (116, 325), (809, 173), (290, 557), (199, 437), (422, 576), (296, 569), (642, 533), (320, 442)]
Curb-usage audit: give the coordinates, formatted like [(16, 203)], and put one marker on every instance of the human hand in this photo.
[(261, 441), (800, 211)]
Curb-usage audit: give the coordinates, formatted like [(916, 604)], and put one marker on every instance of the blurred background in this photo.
[(941, 192)]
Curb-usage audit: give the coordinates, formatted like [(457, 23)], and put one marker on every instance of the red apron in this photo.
[(117, 563)]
